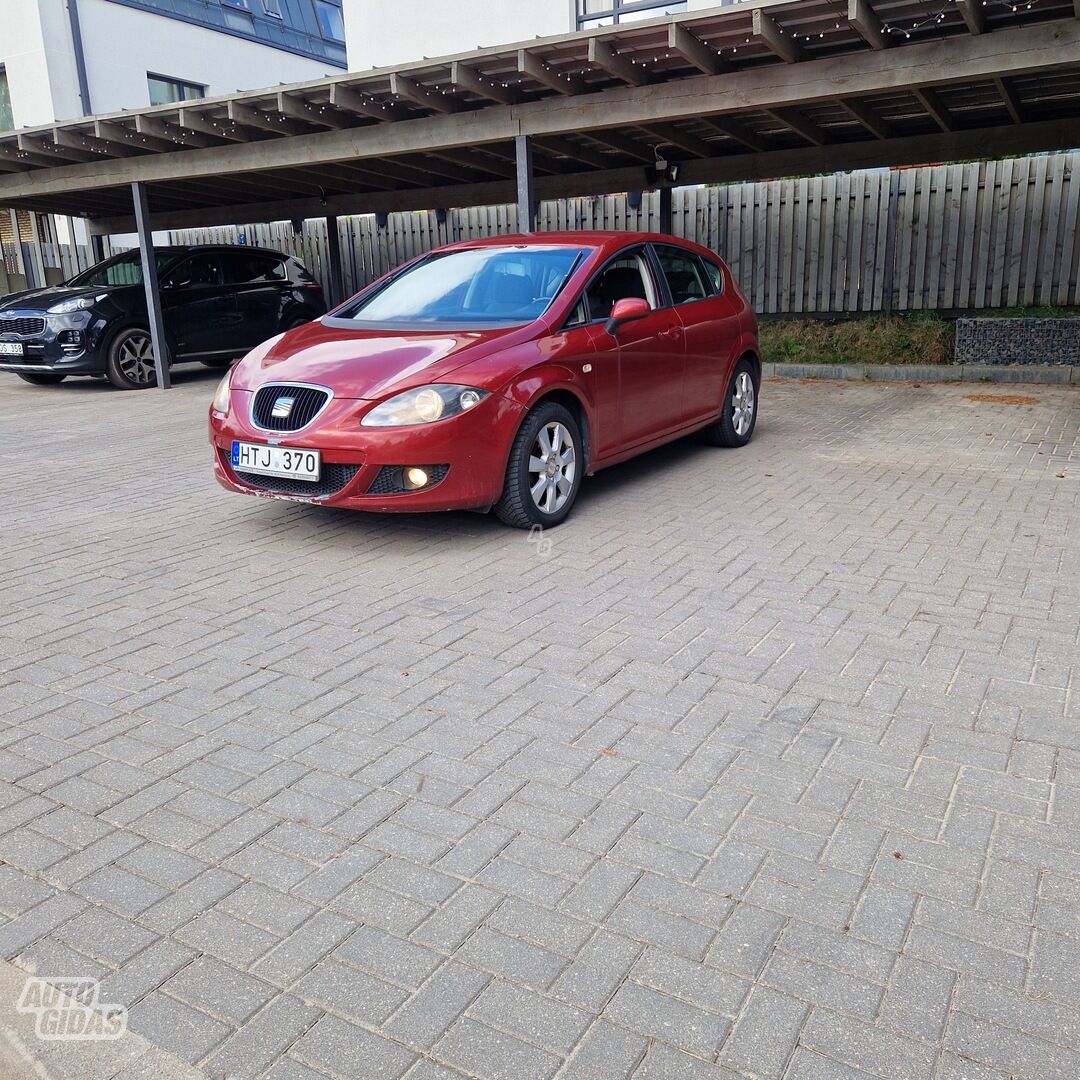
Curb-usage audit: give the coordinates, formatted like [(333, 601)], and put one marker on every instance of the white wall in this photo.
[(25, 59), (385, 32), (153, 43)]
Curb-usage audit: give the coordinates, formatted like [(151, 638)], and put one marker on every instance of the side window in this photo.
[(714, 275), (685, 276), (203, 269), (626, 275), (577, 316), (244, 269)]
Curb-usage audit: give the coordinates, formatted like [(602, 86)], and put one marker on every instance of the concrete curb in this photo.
[(1051, 374)]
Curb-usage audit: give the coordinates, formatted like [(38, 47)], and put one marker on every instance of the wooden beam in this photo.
[(250, 117), (1036, 48), (73, 143), (349, 100), (163, 130), (191, 120), (931, 101), (974, 15), (671, 135), (472, 159), (801, 125), (467, 78), (411, 90), (25, 152), (879, 127), (623, 144), (768, 31), (865, 22), (804, 161), (695, 52), (1011, 100), (736, 130), (531, 65), (603, 56), (126, 139), (323, 116), (557, 144)]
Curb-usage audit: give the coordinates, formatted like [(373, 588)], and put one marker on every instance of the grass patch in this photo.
[(922, 338)]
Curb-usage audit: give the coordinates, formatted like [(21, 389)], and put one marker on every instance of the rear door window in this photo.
[(685, 275), (250, 268)]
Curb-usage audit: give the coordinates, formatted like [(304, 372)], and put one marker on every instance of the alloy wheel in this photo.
[(552, 467), (136, 358), (742, 403)]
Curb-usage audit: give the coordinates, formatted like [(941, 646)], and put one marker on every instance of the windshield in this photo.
[(123, 269), (471, 288)]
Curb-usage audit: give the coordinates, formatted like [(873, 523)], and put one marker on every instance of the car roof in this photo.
[(187, 249), (606, 240)]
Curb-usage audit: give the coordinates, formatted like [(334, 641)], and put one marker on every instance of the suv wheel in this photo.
[(130, 363)]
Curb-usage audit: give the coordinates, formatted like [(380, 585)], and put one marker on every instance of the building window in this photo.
[(166, 91), (592, 13), (331, 24), (272, 8), (7, 122)]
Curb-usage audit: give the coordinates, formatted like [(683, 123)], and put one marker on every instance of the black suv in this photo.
[(217, 302)]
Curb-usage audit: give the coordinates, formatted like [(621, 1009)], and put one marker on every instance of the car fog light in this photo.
[(415, 478)]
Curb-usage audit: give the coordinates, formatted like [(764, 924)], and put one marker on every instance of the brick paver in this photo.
[(768, 766)]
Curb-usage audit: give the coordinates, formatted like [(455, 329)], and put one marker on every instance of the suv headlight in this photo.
[(424, 405), (221, 395), (76, 303)]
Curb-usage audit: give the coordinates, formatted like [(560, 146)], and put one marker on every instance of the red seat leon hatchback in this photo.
[(495, 373)]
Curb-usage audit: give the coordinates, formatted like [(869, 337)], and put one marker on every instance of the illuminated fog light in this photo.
[(415, 478)]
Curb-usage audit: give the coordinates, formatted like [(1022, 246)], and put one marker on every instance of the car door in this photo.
[(709, 325), (199, 311), (257, 280), (649, 351)]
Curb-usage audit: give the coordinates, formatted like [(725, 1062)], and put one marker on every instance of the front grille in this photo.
[(389, 479), (307, 403), (334, 477), (25, 327)]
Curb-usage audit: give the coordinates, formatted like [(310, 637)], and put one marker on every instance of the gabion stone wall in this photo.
[(1018, 341)]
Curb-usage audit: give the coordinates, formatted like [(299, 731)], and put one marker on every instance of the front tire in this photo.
[(41, 378), (130, 361), (544, 469), (736, 424)]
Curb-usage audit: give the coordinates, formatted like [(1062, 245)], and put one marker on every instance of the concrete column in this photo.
[(333, 251), (150, 284), (526, 203)]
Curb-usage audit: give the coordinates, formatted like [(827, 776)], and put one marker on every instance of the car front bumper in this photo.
[(472, 448), (66, 345)]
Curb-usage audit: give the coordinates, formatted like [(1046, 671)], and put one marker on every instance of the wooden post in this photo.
[(665, 210), (333, 251), (150, 284), (526, 204), (887, 298)]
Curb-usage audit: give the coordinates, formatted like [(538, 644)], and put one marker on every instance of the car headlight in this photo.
[(424, 405), (221, 395), (76, 303)]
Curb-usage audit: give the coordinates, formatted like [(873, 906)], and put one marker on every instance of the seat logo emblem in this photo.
[(282, 408)]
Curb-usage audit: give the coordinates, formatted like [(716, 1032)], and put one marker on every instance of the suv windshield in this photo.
[(123, 269), (471, 288)]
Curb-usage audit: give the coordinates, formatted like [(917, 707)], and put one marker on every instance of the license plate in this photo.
[(276, 461), (10, 348)]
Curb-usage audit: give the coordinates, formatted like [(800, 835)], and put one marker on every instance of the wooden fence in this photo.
[(940, 237)]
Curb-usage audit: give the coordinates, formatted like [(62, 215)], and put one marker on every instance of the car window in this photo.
[(123, 269), (199, 270), (626, 275), (714, 275), (251, 268), (578, 316), (685, 275)]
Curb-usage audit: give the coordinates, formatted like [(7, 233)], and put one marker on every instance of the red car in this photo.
[(494, 373)]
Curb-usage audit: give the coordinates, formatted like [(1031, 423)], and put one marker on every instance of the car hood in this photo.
[(40, 300), (365, 363)]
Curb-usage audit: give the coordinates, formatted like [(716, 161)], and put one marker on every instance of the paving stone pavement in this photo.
[(768, 767)]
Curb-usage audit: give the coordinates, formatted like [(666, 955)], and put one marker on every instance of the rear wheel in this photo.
[(41, 378), (544, 469), (130, 363), (736, 424)]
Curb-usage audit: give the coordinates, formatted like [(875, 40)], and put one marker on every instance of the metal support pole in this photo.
[(333, 251), (150, 284), (665, 210), (97, 247), (526, 205)]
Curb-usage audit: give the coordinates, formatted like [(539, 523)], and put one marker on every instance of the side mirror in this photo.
[(626, 310)]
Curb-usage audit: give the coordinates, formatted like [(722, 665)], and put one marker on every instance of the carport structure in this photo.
[(745, 91)]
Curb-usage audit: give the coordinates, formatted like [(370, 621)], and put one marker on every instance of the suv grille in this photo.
[(26, 327), (333, 479), (306, 403)]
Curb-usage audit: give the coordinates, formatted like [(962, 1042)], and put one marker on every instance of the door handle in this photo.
[(673, 332)]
